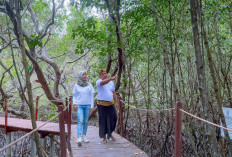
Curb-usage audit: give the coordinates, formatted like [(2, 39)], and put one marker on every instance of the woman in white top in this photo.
[(83, 100)]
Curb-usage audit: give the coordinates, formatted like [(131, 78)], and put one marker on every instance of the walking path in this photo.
[(95, 148)]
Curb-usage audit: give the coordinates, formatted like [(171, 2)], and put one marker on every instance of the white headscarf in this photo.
[(81, 82)]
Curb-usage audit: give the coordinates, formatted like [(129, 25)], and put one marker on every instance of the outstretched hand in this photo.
[(113, 78)]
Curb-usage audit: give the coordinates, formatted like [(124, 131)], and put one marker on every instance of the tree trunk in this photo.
[(120, 43), (28, 83), (166, 57), (202, 83), (137, 111), (217, 91)]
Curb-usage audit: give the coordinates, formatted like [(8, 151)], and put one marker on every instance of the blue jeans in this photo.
[(82, 119)]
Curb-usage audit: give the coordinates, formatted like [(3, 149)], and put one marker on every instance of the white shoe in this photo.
[(79, 141), (84, 139)]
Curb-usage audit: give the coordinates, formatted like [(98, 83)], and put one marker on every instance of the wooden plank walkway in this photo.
[(15, 124), (95, 148)]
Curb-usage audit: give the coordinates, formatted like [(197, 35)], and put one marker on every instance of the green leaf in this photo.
[(29, 68)]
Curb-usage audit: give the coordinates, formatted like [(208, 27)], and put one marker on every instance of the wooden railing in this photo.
[(64, 113)]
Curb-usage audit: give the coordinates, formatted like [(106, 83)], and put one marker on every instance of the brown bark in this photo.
[(202, 80), (120, 43), (27, 75), (166, 56), (217, 91)]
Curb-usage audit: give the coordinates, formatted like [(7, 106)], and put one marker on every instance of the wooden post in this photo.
[(36, 107), (178, 142), (62, 131)]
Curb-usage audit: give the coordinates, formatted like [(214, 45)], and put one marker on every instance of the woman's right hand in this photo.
[(113, 78), (75, 107)]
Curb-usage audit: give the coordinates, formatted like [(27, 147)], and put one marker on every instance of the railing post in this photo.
[(178, 142), (36, 107), (62, 131)]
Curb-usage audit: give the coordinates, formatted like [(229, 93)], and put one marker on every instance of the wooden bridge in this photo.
[(95, 148), (67, 133)]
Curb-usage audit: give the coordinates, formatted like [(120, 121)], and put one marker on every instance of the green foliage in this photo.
[(34, 40), (29, 68), (39, 5), (53, 109)]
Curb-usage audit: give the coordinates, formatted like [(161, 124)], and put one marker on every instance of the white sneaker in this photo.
[(79, 141), (84, 139)]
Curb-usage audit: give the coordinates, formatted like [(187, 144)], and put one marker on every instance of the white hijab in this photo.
[(81, 82)]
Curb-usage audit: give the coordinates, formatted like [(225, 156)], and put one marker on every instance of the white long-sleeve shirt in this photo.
[(83, 95)]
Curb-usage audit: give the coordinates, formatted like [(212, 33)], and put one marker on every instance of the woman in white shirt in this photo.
[(83, 100)]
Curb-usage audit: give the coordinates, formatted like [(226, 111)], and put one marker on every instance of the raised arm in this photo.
[(103, 82)]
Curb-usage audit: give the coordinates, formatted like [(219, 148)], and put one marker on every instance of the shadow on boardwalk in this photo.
[(119, 148)]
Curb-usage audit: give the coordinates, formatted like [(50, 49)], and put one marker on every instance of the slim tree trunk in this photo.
[(202, 82), (108, 33), (217, 91), (148, 86), (137, 111), (116, 20), (165, 53), (28, 83)]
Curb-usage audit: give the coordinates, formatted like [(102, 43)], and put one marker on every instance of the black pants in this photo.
[(107, 120)]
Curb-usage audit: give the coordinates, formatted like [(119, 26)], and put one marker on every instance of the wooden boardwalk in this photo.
[(95, 148)]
